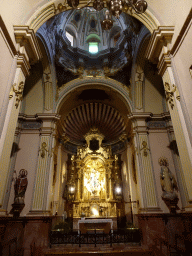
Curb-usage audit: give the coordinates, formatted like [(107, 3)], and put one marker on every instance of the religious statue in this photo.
[(20, 186), (169, 185)]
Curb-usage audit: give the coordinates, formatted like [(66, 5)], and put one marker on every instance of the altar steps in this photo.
[(101, 250)]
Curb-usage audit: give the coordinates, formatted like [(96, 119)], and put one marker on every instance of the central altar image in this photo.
[(94, 186)]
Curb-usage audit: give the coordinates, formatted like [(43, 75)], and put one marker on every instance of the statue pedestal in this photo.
[(172, 204), (16, 209)]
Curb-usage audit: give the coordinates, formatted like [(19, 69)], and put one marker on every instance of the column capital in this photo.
[(46, 117), (138, 120), (139, 115)]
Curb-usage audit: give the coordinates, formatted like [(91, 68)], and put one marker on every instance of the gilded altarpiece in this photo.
[(94, 172)]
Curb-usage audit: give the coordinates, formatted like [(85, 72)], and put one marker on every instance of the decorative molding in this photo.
[(144, 148), (60, 7), (161, 37), (139, 77), (43, 149), (23, 63), (140, 115), (26, 37), (48, 91), (31, 125), (89, 81), (156, 124), (40, 117), (164, 63)]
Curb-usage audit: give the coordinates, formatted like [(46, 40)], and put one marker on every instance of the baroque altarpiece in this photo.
[(94, 186)]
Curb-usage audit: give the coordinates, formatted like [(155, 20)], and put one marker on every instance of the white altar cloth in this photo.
[(84, 221)]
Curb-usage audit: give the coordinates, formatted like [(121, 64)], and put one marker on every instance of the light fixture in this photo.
[(118, 191), (115, 7), (71, 192)]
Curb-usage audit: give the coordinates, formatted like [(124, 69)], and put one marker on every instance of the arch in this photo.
[(71, 30), (47, 11), (92, 83), (93, 38)]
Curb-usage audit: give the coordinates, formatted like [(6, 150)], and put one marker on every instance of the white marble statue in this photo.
[(168, 181)]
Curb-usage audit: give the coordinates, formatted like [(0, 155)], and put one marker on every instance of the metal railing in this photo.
[(95, 236)]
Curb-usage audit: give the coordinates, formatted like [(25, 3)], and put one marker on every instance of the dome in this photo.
[(79, 44)]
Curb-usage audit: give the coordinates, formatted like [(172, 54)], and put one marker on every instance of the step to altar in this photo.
[(100, 250)]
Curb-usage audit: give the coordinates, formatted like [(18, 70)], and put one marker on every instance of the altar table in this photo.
[(85, 225)]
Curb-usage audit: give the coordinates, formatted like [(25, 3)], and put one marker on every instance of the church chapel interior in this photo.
[(95, 127)]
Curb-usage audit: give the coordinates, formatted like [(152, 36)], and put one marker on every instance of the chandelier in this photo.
[(115, 8)]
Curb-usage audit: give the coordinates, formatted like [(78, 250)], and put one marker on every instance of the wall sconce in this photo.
[(71, 192)]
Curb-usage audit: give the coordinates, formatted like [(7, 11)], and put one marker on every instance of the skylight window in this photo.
[(70, 38), (93, 47)]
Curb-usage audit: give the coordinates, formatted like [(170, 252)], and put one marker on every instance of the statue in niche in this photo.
[(169, 185), (20, 187)]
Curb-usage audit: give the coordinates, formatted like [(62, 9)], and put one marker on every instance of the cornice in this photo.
[(39, 117), (164, 62), (48, 117), (23, 63), (26, 37), (139, 115), (161, 37), (163, 116)]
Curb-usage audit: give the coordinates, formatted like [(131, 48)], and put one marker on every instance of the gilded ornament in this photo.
[(170, 93), (89, 174), (18, 93), (107, 71), (43, 149), (80, 71), (145, 148), (93, 72), (61, 7)]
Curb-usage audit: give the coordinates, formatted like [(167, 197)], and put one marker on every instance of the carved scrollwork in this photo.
[(18, 93), (61, 7), (145, 148), (170, 94), (80, 71), (43, 149)]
